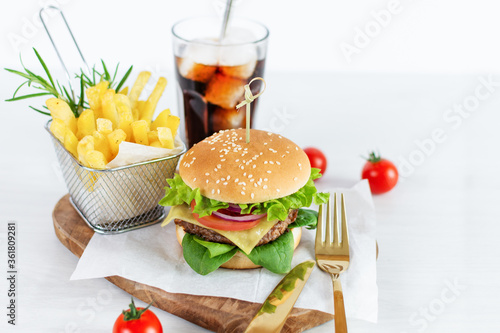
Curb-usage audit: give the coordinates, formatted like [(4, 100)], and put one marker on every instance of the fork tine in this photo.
[(335, 222), (345, 234), (328, 223), (321, 225)]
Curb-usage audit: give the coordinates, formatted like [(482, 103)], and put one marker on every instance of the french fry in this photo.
[(173, 123), (161, 119), (109, 108), (86, 124), (147, 109), (96, 159), (137, 88), (60, 109), (155, 144), (115, 138), (58, 128), (140, 128), (101, 144), (165, 137), (136, 111), (125, 116), (71, 142), (124, 91), (150, 106), (104, 126), (94, 95), (152, 136), (85, 145)]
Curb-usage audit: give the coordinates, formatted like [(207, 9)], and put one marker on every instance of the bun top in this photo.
[(226, 168)]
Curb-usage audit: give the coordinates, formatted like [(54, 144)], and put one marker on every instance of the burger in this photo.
[(241, 205)]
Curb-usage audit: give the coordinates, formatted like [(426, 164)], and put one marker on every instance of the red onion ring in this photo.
[(241, 218), (234, 208)]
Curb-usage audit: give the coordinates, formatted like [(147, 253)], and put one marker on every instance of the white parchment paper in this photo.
[(130, 153), (153, 256)]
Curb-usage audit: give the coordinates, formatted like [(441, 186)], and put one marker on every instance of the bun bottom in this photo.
[(240, 260)]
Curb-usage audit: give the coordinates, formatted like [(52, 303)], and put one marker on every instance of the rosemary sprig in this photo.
[(93, 78), (49, 87)]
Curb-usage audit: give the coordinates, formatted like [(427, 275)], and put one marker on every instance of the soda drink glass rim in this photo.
[(215, 22)]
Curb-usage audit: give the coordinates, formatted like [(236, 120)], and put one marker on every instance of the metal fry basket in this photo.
[(116, 200)]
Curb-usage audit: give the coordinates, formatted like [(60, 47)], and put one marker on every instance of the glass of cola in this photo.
[(211, 73)]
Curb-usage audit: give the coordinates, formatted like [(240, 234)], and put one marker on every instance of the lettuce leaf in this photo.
[(198, 255), (279, 208), (205, 257), (305, 218), (215, 249), (178, 193), (276, 256)]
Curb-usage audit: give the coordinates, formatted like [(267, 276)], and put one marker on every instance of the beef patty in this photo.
[(213, 236)]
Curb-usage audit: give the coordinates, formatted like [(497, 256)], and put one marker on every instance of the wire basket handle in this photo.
[(55, 47)]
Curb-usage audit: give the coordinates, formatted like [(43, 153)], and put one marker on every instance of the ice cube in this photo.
[(237, 48), (225, 91), (202, 51), (242, 72), (228, 118), (238, 61), (198, 62), (195, 71), (238, 35), (236, 55)]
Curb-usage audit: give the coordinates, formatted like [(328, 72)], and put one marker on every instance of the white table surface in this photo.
[(438, 227)]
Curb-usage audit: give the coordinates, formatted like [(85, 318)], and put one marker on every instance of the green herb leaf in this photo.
[(18, 98), (13, 71), (106, 75), (44, 66), (125, 77), (82, 97), (42, 112), (54, 88)]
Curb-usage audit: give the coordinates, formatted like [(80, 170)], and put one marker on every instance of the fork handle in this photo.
[(338, 304)]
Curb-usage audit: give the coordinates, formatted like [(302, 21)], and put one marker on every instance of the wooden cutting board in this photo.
[(218, 314)]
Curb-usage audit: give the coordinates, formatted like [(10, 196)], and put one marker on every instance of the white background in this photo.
[(422, 35), (439, 225)]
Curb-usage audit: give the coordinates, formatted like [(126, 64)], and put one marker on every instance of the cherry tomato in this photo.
[(317, 159), (137, 320), (382, 174), (215, 222)]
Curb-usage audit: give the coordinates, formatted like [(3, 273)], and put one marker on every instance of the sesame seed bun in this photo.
[(240, 260), (226, 168)]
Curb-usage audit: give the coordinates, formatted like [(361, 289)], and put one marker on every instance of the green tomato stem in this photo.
[(373, 157), (133, 313)]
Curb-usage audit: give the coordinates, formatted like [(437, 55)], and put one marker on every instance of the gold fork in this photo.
[(332, 255)]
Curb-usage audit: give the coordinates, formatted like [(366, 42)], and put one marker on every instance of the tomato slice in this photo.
[(215, 222)]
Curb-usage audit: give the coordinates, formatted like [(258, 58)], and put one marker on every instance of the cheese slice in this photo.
[(246, 240)]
